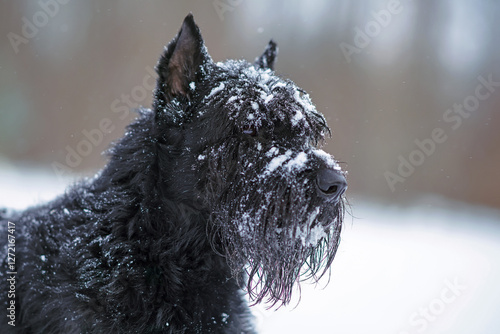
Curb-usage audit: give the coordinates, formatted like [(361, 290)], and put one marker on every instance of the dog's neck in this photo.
[(165, 227)]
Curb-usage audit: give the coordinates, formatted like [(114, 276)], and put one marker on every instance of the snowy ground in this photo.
[(430, 268)]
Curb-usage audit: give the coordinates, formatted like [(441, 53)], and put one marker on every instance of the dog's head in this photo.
[(250, 140)]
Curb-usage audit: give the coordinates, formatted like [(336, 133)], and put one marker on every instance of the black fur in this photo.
[(218, 191)]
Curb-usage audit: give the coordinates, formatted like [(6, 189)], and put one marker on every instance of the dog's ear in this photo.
[(267, 59), (180, 64)]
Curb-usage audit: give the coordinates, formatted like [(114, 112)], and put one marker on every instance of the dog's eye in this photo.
[(279, 126), (250, 130)]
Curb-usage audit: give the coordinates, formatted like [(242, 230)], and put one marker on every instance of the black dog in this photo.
[(218, 191)]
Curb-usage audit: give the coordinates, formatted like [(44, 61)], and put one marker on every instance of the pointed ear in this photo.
[(267, 59), (180, 63)]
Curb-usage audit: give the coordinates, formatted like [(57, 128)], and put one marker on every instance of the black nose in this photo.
[(331, 184)]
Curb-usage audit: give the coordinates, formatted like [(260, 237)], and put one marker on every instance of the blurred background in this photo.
[(411, 90)]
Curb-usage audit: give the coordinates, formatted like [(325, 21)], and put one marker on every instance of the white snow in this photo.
[(215, 90), (268, 98), (272, 151), (232, 99), (276, 162), (21, 187), (310, 237), (255, 74), (298, 117), (298, 162), (279, 84), (304, 100), (255, 106), (327, 158)]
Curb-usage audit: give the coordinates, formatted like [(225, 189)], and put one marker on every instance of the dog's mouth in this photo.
[(277, 252), (309, 230), (312, 231)]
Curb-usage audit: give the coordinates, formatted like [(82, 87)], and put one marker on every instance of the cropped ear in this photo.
[(267, 59), (180, 64)]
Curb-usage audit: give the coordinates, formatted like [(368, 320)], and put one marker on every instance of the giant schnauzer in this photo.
[(217, 197)]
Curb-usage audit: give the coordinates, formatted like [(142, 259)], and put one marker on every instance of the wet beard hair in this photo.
[(275, 238)]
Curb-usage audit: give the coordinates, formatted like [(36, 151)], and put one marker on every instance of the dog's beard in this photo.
[(278, 234)]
